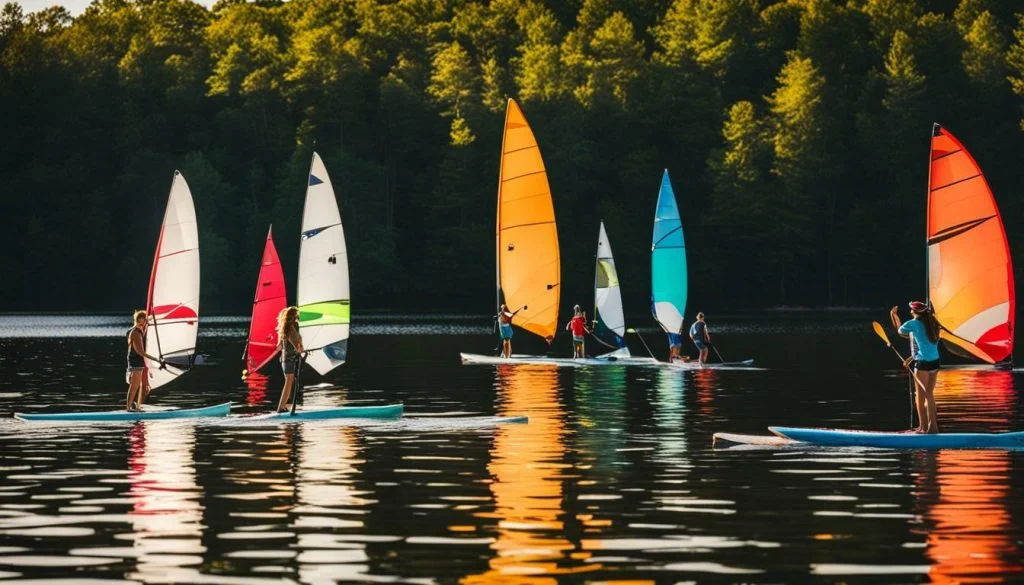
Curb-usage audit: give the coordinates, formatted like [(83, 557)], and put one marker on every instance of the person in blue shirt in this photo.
[(701, 338), (923, 331)]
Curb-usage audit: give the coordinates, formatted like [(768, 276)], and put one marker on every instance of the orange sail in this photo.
[(527, 254), (970, 275)]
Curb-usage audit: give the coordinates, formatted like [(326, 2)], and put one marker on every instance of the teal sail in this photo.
[(668, 262)]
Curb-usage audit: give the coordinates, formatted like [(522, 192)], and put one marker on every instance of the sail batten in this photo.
[(527, 256), (173, 295), (668, 262), (323, 284), (970, 273)]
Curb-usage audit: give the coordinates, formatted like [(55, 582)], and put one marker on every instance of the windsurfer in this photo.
[(505, 330), (701, 338), (923, 331), (578, 326), (675, 345), (138, 387), (291, 348)]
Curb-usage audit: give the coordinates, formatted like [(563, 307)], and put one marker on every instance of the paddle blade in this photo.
[(880, 332)]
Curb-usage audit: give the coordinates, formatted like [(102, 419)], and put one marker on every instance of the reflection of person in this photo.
[(701, 338), (923, 331), (138, 386), (291, 347), (505, 330), (578, 326)]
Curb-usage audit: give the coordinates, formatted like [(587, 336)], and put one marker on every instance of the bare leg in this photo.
[(933, 421), (507, 348), (286, 393), (134, 384), (144, 390)]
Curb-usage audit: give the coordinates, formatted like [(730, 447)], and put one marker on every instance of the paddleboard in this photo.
[(725, 440), (386, 411), (522, 359), (902, 440), (124, 415), (695, 365)]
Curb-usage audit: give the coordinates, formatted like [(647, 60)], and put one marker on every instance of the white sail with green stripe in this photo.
[(323, 294)]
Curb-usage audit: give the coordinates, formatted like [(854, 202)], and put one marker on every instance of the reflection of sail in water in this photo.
[(167, 518), (964, 493), (670, 389), (600, 411), (325, 501), (257, 386), (969, 529), (527, 462)]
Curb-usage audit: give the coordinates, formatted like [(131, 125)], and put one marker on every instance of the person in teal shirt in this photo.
[(923, 331)]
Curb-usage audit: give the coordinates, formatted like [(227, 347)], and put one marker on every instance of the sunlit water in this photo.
[(612, 480)]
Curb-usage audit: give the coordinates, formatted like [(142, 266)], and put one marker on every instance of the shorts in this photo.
[(926, 366), (577, 339), (131, 370), (288, 365), (506, 330), (701, 344)]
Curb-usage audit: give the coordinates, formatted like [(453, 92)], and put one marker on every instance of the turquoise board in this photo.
[(386, 411), (124, 415), (905, 440), (668, 262)]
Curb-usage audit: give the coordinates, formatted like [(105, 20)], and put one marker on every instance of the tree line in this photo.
[(796, 134)]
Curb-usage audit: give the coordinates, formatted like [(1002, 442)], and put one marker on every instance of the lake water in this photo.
[(613, 480)]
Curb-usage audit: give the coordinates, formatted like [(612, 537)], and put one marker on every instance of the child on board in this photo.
[(505, 330), (578, 326), (923, 331), (701, 338)]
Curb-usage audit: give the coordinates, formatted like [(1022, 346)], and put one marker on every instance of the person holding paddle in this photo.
[(291, 348), (138, 387), (923, 331), (578, 326), (701, 338)]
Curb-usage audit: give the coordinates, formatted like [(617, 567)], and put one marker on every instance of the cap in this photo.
[(918, 307)]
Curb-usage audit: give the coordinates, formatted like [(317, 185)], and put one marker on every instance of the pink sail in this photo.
[(270, 300)]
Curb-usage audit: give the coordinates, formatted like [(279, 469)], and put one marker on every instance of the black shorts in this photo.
[(926, 366)]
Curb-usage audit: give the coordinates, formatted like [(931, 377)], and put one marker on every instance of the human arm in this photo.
[(139, 349), (295, 339), (894, 316)]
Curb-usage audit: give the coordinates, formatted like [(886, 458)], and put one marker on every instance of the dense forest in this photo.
[(796, 134)]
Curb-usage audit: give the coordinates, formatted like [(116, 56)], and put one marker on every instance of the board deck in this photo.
[(124, 415), (382, 412), (902, 440)]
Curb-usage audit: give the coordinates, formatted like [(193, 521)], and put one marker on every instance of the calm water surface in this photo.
[(613, 480)]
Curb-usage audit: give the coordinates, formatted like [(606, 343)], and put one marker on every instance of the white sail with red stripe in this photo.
[(173, 304)]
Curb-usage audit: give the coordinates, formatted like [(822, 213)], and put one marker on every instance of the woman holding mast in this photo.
[(923, 331), (291, 348)]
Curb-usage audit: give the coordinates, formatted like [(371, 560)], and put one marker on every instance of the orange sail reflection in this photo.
[(963, 493), (166, 516), (257, 384), (527, 462)]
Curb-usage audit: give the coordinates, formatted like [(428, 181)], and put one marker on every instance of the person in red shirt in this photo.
[(578, 326)]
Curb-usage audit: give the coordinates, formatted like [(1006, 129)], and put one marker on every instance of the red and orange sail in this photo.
[(970, 275), (269, 301)]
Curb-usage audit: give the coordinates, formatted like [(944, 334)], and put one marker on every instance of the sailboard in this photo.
[(970, 273), (173, 299), (668, 262), (269, 301), (901, 440), (323, 284), (609, 321), (528, 269)]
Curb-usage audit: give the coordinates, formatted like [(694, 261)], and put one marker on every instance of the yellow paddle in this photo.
[(879, 331)]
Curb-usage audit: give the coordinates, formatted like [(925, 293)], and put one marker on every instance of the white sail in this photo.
[(174, 289), (323, 293), (611, 323)]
